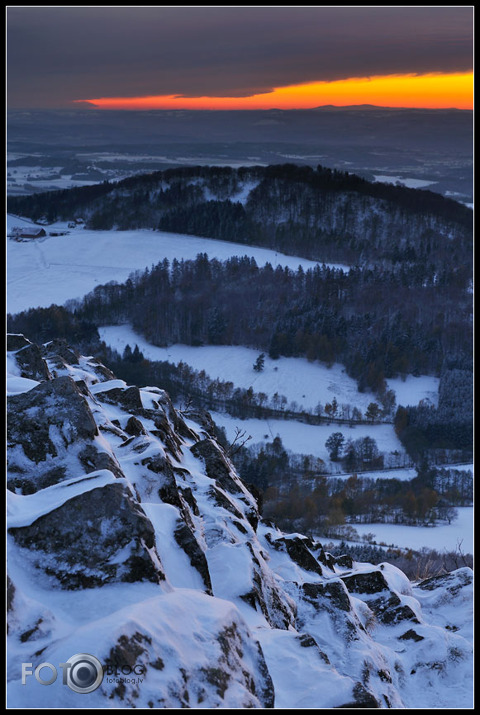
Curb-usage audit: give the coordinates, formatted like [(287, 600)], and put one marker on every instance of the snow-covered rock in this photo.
[(131, 538)]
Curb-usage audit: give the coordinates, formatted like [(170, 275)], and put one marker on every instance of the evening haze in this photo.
[(239, 57)]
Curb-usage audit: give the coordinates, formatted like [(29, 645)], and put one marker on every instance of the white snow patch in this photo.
[(299, 380), (301, 678), (442, 537), (405, 181), (230, 567), (414, 389), (17, 384), (175, 561), (301, 438), (108, 385), (23, 510)]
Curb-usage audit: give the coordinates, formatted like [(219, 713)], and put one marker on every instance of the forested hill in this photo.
[(321, 214)]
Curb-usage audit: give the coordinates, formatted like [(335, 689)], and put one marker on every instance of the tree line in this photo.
[(300, 494)]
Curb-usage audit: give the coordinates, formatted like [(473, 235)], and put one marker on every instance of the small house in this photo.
[(23, 234)]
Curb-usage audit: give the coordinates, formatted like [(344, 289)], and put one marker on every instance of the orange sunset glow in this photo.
[(429, 91)]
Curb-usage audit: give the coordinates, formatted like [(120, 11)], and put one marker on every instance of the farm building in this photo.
[(21, 234)]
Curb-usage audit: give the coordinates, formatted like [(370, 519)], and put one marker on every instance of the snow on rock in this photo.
[(23, 510), (27, 358), (52, 436), (442, 596), (99, 536), (187, 649), (132, 538)]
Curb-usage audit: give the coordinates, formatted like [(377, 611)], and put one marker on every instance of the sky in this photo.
[(193, 57)]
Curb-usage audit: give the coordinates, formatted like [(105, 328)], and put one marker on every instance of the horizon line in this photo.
[(88, 106)]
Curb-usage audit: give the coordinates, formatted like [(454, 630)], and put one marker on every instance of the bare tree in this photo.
[(185, 406), (239, 441), (458, 557)]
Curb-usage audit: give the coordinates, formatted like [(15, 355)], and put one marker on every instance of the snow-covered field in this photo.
[(309, 439), (406, 473), (405, 181), (25, 179), (298, 379), (58, 268), (413, 389), (443, 537)]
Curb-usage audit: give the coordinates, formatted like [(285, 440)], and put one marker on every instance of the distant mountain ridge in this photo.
[(363, 107)]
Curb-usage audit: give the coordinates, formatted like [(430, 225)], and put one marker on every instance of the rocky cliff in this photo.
[(132, 538)]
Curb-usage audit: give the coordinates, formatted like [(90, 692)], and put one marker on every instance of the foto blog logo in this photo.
[(82, 673)]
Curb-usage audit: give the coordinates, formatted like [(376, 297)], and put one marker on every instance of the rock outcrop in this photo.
[(131, 537)]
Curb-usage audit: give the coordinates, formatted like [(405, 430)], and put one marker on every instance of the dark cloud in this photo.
[(59, 54)]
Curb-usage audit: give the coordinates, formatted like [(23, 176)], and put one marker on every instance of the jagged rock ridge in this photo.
[(131, 537)]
